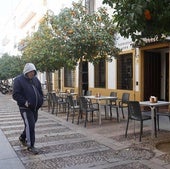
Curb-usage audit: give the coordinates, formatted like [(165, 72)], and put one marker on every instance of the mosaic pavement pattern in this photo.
[(61, 147)]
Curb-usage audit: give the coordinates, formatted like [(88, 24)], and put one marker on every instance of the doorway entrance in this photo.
[(156, 75), (152, 75), (167, 78), (85, 78)]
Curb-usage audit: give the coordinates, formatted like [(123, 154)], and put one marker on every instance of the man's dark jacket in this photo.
[(27, 90)]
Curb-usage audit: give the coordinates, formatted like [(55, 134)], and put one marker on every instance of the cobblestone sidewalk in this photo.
[(65, 145)]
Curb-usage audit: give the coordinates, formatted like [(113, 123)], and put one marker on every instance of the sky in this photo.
[(6, 9)]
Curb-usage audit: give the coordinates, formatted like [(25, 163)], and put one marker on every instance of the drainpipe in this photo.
[(169, 75), (136, 71)]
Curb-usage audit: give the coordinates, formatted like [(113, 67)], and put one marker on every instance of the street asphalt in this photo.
[(66, 145)]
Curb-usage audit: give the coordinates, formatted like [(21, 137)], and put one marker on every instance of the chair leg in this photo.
[(92, 115), (110, 112), (73, 116), (53, 108), (127, 127), (117, 114), (123, 113), (59, 108), (64, 107), (155, 126), (68, 107), (49, 105), (105, 110), (56, 109), (141, 131), (158, 121), (68, 114), (85, 120), (80, 114)]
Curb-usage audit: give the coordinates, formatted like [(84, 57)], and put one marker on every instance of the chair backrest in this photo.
[(83, 103), (71, 90), (49, 96), (125, 97), (55, 98), (70, 100), (49, 99), (134, 110), (113, 94), (88, 93)]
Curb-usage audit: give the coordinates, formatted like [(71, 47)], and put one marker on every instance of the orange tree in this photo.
[(141, 19), (84, 37), (42, 48)]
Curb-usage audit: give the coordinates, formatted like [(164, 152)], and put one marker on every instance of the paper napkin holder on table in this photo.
[(153, 99)]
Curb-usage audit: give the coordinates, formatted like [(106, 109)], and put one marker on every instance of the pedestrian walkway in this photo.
[(65, 145)]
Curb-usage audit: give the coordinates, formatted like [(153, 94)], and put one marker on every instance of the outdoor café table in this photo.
[(98, 100), (153, 107), (65, 94)]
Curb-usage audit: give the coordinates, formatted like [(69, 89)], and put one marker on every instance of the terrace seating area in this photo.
[(93, 110), (70, 105)]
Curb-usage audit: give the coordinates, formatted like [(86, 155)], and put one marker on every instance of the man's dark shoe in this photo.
[(33, 150), (23, 141)]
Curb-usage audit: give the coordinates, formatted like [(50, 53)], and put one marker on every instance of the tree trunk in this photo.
[(80, 91), (49, 87)]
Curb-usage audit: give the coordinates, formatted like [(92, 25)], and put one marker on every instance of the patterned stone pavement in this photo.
[(64, 145)]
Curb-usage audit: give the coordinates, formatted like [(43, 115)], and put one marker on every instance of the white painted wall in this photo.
[(112, 74), (91, 75)]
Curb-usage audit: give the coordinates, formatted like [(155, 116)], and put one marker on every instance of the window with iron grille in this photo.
[(100, 74), (68, 78), (125, 72)]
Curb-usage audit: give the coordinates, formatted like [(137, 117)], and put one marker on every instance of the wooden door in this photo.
[(152, 74)]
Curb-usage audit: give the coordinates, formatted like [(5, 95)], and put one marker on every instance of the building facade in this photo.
[(140, 71)]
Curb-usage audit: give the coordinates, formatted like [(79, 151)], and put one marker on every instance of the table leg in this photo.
[(153, 116), (100, 121), (107, 110)]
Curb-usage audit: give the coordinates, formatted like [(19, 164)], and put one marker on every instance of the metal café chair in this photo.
[(135, 113), (88, 93), (112, 104), (72, 107), (71, 90), (123, 102), (50, 101), (165, 114), (58, 103), (87, 107)]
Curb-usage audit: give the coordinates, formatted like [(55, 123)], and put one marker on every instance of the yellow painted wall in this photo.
[(134, 95)]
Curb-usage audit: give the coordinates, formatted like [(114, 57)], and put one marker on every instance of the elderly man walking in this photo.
[(28, 94)]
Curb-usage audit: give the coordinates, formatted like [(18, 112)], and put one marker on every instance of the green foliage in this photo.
[(42, 48), (10, 66), (140, 19), (73, 34), (70, 37), (83, 35)]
